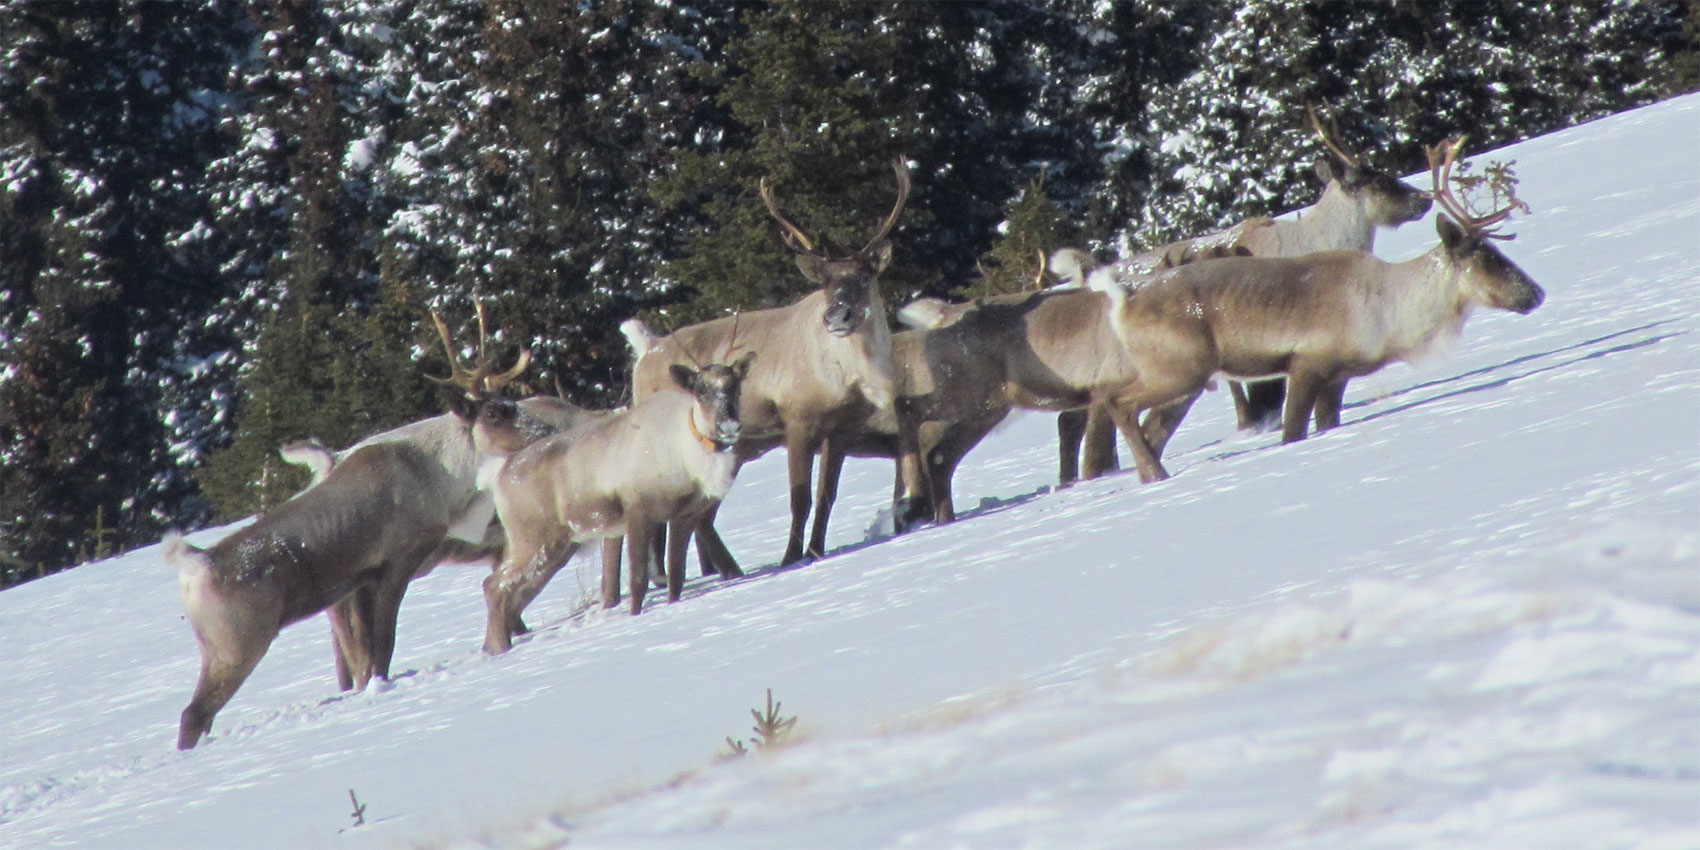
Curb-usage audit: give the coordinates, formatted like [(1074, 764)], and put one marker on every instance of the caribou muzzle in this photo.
[(842, 318)]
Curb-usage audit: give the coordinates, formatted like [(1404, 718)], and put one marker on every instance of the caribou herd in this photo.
[(524, 484)]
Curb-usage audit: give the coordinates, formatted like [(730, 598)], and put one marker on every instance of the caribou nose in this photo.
[(729, 432), (1535, 297), (842, 319)]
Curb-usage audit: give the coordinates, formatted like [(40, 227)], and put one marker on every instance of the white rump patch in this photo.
[(639, 337), (924, 314)]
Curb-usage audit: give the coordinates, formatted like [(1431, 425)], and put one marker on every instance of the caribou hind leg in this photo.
[(1263, 400), (1126, 415), (1071, 428), (1329, 398), (1100, 453)]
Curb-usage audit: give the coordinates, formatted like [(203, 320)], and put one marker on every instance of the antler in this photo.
[(1442, 156), (1044, 267), (1330, 140), (795, 238), (731, 338), (482, 379), (902, 170)]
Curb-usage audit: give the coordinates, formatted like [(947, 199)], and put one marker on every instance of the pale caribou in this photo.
[(1136, 341), (666, 459), (1356, 201)]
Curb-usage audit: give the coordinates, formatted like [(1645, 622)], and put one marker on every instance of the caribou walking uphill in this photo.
[(1356, 201), (1323, 318), (1135, 341), (826, 367), (527, 483), (383, 515), (667, 459)]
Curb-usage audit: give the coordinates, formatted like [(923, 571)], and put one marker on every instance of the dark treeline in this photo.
[(223, 223)]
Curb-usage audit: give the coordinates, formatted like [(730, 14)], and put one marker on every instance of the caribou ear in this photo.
[(1324, 171), (741, 366), (812, 267), (1452, 236), (463, 406), (683, 376)]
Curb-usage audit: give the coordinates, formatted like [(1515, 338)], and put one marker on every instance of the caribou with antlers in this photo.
[(1326, 317), (1135, 341), (1356, 201), (386, 512), (826, 367)]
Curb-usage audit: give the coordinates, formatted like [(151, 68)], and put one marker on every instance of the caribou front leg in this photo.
[(800, 461), (831, 465)]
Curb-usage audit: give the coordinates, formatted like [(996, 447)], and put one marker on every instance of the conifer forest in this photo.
[(224, 225)]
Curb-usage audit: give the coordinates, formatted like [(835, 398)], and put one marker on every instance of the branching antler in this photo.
[(482, 380), (1442, 156), (902, 171), (798, 240), (795, 238), (1331, 140), (731, 338)]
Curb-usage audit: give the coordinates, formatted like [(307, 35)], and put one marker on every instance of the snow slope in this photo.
[(1470, 617)]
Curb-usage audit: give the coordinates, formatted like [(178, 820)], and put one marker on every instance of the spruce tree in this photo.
[(108, 114)]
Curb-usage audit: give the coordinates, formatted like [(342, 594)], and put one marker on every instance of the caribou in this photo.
[(666, 459), (1356, 201), (1135, 341), (826, 368), (383, 513)]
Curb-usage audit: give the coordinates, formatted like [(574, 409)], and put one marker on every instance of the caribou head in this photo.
[(480, 383), (1387, 200), (1485, 275), (849, 281)]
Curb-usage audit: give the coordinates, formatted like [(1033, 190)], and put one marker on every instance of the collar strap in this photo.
[(711, 445)]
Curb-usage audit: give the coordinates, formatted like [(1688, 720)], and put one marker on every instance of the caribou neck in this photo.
[(1427, 307), (1337, 220)]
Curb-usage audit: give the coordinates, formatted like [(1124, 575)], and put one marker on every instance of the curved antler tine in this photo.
[(483, 332), (902, 170), (731, 338), (495, 382), (458, 374), (1330, 140), (1442, 156), (1044, 268), (793, 235)]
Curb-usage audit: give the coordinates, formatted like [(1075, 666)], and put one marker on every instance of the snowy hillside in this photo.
[(1470, 617)]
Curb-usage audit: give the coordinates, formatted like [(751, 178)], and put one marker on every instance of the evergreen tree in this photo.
[(1033, 228), (108, 113), (1231, 136)]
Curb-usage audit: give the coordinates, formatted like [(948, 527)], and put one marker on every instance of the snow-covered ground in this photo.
[(1470, 617)]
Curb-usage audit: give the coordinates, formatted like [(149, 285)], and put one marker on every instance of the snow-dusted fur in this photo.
[(377, 518)]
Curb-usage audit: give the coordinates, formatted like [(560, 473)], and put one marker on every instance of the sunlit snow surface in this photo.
[(1470, 617)]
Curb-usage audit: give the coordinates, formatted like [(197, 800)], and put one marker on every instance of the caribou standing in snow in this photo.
[(1135, 341), (825, 368), (1356, 201), (384, 513), (666, 459)]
